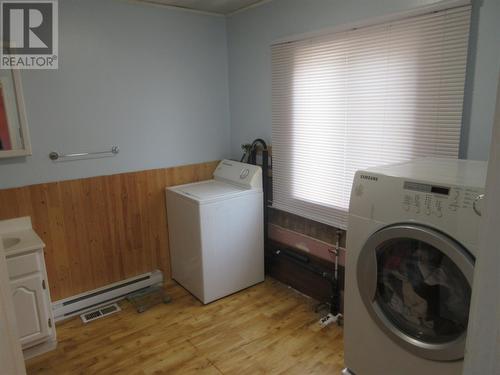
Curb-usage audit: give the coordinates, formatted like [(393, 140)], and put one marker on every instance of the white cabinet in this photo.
[(30, 293)]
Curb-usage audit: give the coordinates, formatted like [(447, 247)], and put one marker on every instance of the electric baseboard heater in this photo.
[(81, 303)]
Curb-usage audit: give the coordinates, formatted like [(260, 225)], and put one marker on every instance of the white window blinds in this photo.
[(364, 97)]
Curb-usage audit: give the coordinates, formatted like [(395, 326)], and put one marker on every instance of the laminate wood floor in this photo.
[(266, 329)]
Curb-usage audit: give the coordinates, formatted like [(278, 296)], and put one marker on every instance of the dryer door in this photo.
[(416, 284)]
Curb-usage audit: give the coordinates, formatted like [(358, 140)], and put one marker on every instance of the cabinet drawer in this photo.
[(24, 264)]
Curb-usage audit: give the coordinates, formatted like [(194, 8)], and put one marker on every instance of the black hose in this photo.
[(252, 159), (253, 150)]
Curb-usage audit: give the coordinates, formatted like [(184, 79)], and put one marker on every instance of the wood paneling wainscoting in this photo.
[(100, 230)]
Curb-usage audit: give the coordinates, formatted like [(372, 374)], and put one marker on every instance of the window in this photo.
[(364, 97)]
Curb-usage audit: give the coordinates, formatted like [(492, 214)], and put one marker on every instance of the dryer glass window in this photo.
[(421, 291)]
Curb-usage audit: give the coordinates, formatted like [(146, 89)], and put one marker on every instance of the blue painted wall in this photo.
[(172, 87), (150, 79), (484, 80), (251, 33)]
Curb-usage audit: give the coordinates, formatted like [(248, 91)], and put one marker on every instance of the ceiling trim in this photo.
[(255, 5), (177, 7)]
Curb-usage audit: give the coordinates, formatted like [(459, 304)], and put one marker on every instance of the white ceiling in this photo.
[(223, 7)]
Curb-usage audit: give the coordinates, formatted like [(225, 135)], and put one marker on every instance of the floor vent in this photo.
[(100, 313)]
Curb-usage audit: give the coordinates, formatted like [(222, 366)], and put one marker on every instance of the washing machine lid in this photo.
[(210, 191)]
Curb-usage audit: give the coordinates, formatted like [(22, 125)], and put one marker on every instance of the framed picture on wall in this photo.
[(5, 130), (14, 136)]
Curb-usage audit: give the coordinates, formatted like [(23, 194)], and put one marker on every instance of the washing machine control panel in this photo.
[(437, 201)]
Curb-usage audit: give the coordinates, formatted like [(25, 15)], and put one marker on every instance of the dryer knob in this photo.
[(477, 205)]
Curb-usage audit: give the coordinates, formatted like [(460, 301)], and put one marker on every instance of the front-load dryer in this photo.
[(412, 242)]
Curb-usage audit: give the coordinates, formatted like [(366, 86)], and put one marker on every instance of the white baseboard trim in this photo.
[(39, 349)]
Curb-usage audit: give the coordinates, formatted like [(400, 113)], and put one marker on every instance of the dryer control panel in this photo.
[(440, 193), (437, 200)]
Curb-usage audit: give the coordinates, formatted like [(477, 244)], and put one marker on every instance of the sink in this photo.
[(8, 242)]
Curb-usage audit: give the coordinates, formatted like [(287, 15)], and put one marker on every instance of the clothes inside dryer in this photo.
[(421, 291)]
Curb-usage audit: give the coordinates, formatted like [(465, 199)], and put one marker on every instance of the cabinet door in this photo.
[(30, 304)]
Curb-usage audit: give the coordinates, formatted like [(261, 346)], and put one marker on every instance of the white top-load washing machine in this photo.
[(411, 247), (216, 231)]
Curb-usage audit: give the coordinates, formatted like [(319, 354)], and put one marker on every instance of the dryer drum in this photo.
[(416, 284)]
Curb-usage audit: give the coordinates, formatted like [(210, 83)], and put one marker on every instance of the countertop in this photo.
[(20, 228)]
